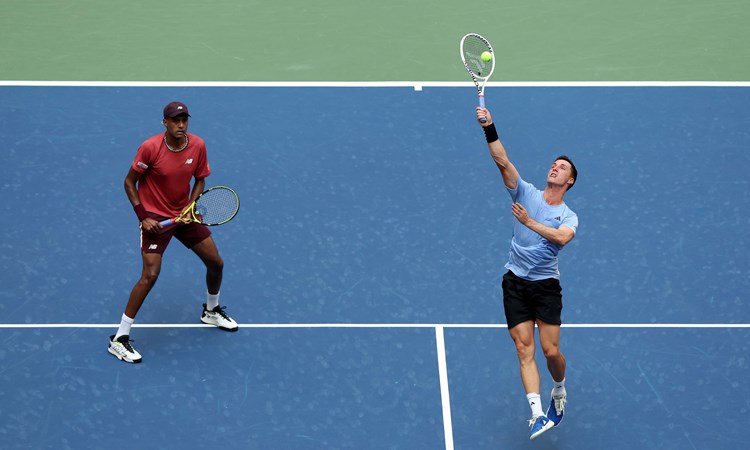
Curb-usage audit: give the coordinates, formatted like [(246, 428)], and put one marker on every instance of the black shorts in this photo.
[(529, 300)]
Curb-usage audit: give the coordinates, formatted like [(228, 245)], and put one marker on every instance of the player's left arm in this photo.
[(559, 236)]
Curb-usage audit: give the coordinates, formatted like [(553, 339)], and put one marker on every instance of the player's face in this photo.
[(176, 126), (560, 173)]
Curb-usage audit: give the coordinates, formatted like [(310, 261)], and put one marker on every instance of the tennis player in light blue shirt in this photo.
[(533, 257), (532, 295)]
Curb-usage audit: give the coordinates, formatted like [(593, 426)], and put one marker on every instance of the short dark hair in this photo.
[(573, 170)]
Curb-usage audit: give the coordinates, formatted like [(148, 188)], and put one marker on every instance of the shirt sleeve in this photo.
[(202, 170), (571, 221), (143, 158), (520, 191)]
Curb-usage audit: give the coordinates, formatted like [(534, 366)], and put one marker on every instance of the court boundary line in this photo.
[(374, 325), (445, 397), (417, 85)]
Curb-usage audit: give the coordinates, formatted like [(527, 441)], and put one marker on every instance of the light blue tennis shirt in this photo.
[(533, 257)]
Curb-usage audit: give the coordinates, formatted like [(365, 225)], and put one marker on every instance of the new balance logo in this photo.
[(189, 161), (152, 247)]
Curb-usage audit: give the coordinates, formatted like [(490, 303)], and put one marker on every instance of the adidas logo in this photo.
[(558, 218)]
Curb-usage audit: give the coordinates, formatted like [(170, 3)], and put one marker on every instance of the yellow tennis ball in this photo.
[(486, 56)]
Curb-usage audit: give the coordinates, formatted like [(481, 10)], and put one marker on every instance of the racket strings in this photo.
[(217, 206), (473, 47)]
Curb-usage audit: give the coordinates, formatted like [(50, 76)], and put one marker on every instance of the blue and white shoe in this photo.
[(556, 409), (539, 425)]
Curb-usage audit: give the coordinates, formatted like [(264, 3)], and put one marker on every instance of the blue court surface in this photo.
[(364, 269)]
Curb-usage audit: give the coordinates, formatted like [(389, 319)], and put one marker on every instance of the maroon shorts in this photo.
[(189, 234)]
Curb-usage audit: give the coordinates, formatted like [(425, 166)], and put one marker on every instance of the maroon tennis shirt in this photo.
[(164, 186)]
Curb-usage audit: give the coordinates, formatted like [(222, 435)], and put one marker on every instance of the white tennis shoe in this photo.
[(218, 318), (123, 349)]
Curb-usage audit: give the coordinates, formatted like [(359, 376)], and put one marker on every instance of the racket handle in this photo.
[(481, 105), (166, 223)]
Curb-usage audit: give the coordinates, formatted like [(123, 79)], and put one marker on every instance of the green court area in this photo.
[(367, 40)]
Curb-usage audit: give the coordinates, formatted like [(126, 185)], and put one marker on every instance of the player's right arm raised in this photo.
[(497, 150)]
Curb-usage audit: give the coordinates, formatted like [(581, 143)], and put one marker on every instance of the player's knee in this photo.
[(216, 264), (552, 352), (525, 351), (149, 278)]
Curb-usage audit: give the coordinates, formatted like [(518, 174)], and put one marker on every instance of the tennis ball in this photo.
[(486, 56)]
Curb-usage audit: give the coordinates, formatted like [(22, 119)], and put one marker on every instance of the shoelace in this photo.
[(560, 404), (221, 312), (532, 421), (127, 345)]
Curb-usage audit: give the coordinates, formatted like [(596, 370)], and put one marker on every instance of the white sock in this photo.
[(559, 388), (535, 401), (212, 301), (125, 324)]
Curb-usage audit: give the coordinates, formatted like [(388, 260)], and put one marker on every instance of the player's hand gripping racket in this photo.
[(215, 206), (473, 46)]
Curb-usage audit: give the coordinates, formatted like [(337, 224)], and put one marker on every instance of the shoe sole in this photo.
[(122, 358), (546, 428), (219, 326)]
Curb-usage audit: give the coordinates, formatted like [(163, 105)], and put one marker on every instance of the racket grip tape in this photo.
[(481, 105), (166, 223)]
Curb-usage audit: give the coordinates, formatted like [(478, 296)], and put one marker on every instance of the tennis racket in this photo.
[(215, 206), (472, 48)]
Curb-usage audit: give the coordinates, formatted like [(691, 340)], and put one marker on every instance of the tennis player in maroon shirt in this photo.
[(158, 186)]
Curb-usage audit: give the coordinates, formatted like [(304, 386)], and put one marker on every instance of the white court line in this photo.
[(439, 338), (374, 325), (444, 390), (417, 85)]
